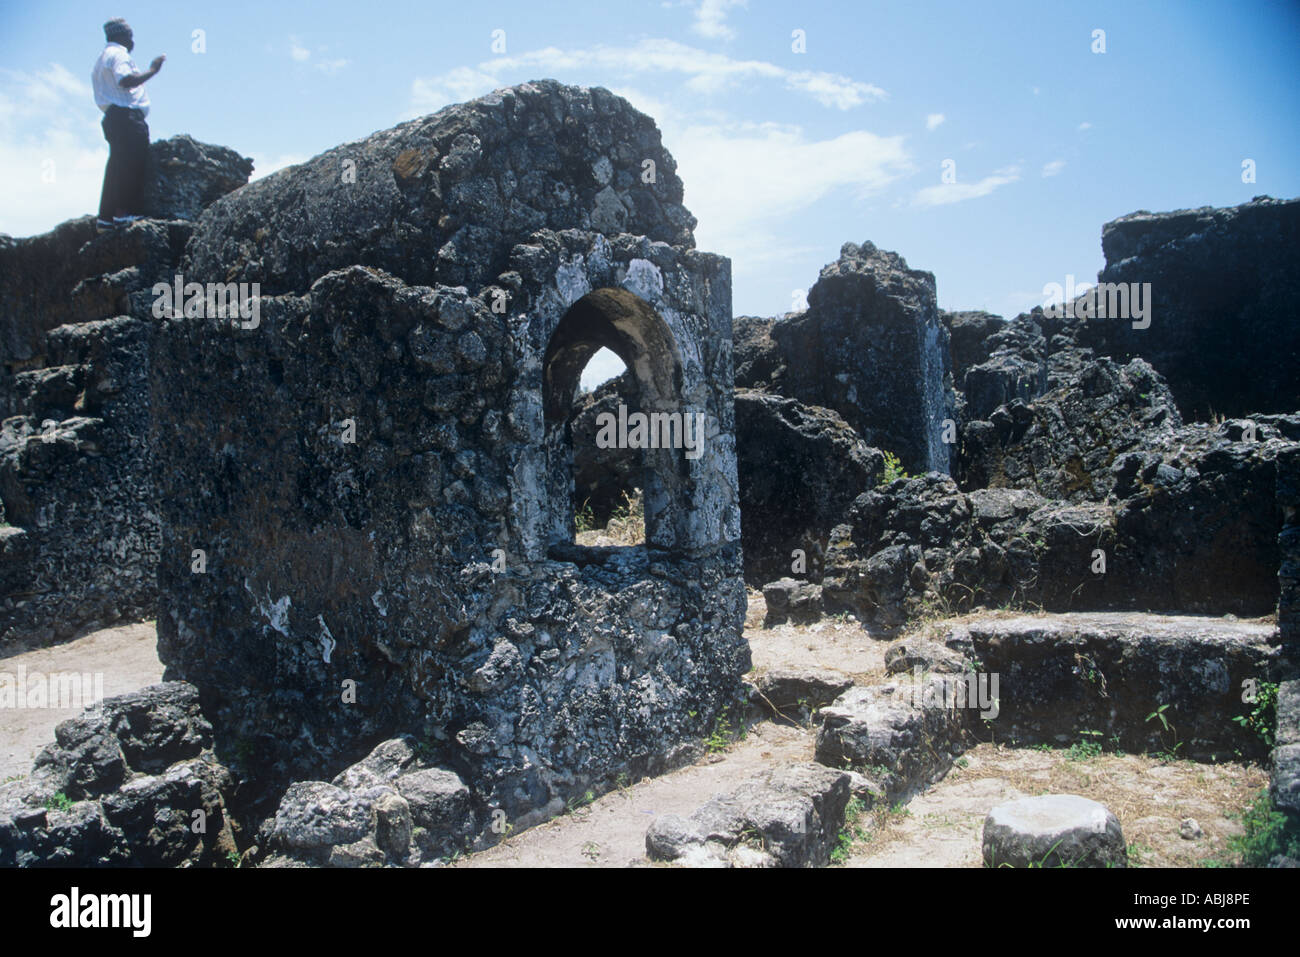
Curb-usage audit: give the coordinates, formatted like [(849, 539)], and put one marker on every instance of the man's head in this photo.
[(118, 30)]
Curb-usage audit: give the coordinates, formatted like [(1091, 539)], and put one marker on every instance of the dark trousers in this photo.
[(128, 155)]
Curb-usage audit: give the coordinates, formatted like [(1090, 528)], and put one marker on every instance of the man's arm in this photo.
[(135, 79)]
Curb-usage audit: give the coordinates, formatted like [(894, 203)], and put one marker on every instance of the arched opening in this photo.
[(579, 428), (608, 483), (604, 367)]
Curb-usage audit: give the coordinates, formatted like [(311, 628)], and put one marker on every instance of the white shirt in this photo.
[(114, 64)]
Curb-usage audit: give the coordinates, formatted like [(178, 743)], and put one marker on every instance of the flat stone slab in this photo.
[(1053, 830), (1060, 675), (1119, 623)]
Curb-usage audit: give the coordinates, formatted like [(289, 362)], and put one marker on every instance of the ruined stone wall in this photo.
[(78, 522), (800, 468), (872, 347), (1225, 325), (378, 478)]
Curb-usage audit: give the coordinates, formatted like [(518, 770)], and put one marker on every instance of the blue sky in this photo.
[(785, 155)]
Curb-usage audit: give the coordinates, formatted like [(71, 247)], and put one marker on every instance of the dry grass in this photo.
[(1150, 797), (626, 526)]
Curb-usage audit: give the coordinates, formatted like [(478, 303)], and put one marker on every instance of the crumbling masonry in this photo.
[(366, 495)]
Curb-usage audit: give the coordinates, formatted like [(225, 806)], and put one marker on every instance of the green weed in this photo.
[(1262, 718), (1268, 832), (893, 469)]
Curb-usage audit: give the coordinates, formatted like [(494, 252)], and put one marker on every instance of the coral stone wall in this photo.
[(367, 497)]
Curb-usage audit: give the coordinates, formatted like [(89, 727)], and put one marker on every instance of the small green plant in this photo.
[(59, 802), (1168, 752), (1262, 718), (585, 519), (1087, 669), (233, 858), (893, 469), (1159, 714), (574, 803), (1169, 755), (843, 846), (621, 782), (1138, 854), (722, 735), (1042, 746), (851, 831), (1267, 832), (1087, 748), (1042, 862)]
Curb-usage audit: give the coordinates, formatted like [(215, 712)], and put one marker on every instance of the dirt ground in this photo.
[(842, 646), (939, 828), (943, 827), (126, 656), (610, 832)]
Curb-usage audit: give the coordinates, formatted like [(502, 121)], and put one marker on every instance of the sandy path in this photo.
[(126, 657), (610, 832)]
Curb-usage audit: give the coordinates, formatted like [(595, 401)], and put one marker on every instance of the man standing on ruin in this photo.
[(119, 92)]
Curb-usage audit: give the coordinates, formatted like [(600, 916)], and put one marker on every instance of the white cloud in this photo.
[(1052, 168), (1085, 125), (832, 89), (705, 73), (933, 121), (745, 183), (428, 95), (946, 193), (301, 54), (711, 18), (648, 104), (52, 151)]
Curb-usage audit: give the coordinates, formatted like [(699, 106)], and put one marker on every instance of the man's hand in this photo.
[(135, 79)]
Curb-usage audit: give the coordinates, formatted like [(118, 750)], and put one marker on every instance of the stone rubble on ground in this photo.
[(786, 817)]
